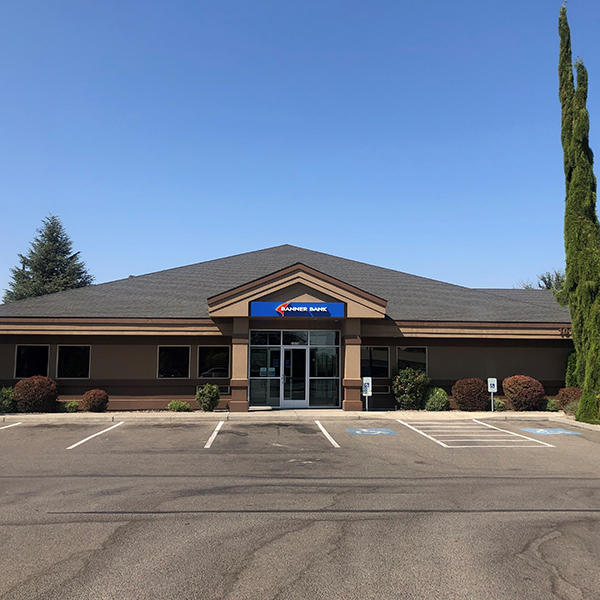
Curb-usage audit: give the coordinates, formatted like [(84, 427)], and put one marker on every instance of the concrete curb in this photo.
[(281, 416)]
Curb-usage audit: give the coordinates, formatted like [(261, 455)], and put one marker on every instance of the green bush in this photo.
[(570, 379), (94, 400), (437, 399), (471, 394), (36, 394), (410, 387), (551, 405), (207, 397), (179, 406), (7, 400), (525, 393), (499, 405), (571, 408), (69, 407)]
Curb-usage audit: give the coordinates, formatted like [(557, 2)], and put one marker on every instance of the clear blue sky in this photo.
[(422, 136)]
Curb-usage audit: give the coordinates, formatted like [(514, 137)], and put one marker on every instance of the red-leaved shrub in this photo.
[(94, 401), (525, 393), (471, 394), (36, 394), (567, 395)]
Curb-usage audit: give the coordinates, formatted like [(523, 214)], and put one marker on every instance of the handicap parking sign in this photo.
[(550, 431), (370, 431)]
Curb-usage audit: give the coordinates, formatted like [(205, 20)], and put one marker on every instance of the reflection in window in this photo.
[(264, 392), (213, 361), (324, 362), (265, 362), (73, 362), (374, 361), (31, 360), (173, 362), (265, 338), (295, 338), (324, 392), (324, 338), (413, 357)]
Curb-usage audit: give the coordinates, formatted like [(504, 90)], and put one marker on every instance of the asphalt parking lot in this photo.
[(366, 509)]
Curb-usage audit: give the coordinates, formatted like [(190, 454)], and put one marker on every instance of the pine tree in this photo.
[(49, 266), (582, 231)]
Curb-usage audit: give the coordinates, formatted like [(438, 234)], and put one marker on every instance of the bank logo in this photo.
[(297, 309), (281, 308)]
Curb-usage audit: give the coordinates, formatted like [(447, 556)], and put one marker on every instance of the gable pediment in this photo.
[(297, 283)]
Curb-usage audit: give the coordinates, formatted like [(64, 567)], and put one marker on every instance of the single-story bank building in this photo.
[(284, 327)]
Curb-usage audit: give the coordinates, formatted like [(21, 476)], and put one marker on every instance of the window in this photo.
[(73, 362), (173, 362), (414, 357), (31, 360), (374, 361), (265, 338), (295, 338), (324, 338), (213, 361)]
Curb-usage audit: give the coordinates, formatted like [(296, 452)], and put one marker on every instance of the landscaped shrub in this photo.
[(437, 399), (410, 387), (551, 404), (94, 401), (179, 406), (7, 400), (36, 394), (499, 405), (525, 393), (471, 394), (69, 407), (566, 395), (207, 396), (571, 408), (570, 379)]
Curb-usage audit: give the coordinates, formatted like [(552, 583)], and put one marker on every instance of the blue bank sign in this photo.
[(297, 309)]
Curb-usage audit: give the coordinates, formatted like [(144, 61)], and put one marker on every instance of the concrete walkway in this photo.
[(283, 416)]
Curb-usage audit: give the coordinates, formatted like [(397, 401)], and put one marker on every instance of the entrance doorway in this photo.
[(294, 369)]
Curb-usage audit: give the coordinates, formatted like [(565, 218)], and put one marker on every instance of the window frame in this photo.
[(213, 346), (189, 347), (426, 356), (17, 346), (59, 346), (388, 361)]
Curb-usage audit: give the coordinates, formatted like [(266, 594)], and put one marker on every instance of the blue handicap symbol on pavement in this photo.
[(370, 431), (550, 431)]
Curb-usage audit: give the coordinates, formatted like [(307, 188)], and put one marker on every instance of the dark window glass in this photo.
[(213, 362), (324, 392), (324, 362), (415, 358), (295, 338), (265, 338), (173, 361), (264, 392), (74, 361), (324, 338), (31, 360), (374, 361), (265, 362)]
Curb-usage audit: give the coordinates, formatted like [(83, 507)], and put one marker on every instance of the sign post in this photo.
[(492, 387), (367, 390)]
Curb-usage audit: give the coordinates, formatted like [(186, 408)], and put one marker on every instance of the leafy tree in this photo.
[(49, 266), (550, 280), (581, 290)]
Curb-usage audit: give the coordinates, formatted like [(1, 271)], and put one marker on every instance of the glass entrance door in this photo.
[(294, 376)]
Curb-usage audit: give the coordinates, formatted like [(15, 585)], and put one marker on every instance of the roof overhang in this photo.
[(297, 283)]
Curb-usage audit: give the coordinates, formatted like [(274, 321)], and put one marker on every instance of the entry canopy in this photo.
[(297, 290)]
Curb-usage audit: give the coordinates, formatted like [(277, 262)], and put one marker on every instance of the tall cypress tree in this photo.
[(49, 266), (582, 230)]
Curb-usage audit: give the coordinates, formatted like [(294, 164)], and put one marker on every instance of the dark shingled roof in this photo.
[(182, 292)]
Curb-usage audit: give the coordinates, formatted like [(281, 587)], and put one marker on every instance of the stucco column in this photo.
[(352, 382), (239, 365)]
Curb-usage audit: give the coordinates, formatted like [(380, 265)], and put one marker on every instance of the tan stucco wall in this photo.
[(455, 362), (123, 361), (7, 361)]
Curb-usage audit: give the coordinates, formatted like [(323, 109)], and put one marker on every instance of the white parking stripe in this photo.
[(513, 433), (326, 434), (12, 425), (423, 433), (94, 435), (211, 439)]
